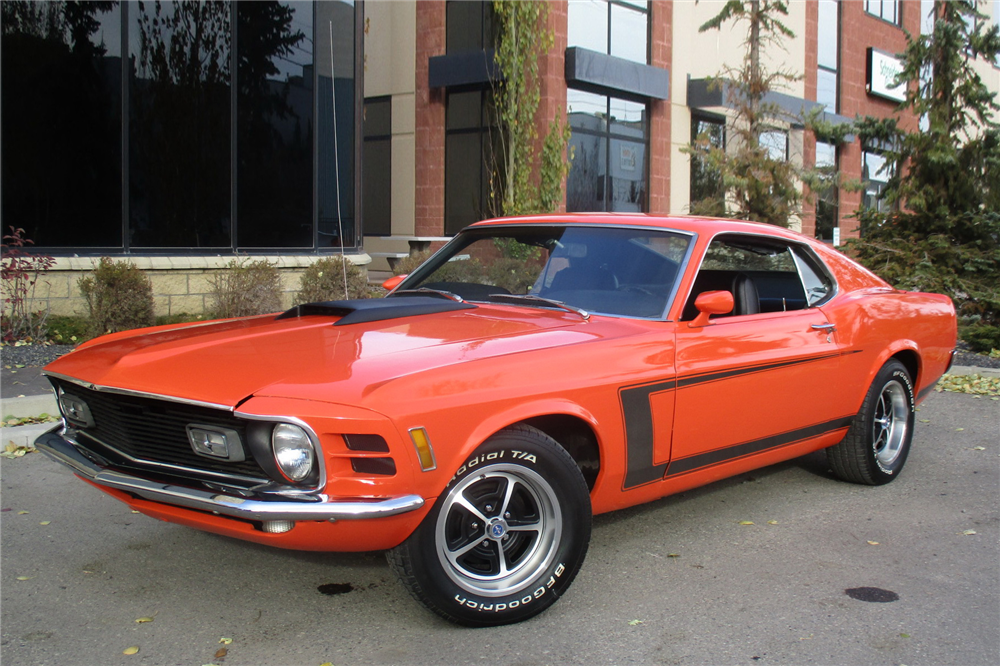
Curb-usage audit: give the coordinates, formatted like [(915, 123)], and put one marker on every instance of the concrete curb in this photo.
[(24, 435), (29, 405)]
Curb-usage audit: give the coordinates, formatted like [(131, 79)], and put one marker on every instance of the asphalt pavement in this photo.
[(677, 581)]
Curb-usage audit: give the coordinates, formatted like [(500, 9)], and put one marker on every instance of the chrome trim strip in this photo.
[(138, 394), (62, 451), (222, 477)]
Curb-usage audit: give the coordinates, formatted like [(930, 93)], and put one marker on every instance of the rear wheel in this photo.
[(507, 536), (875, 448)]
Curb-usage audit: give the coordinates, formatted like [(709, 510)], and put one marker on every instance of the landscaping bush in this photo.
[(119, 297), (982, 338), (324, 281), (245, 288), (409, 264), (20, 272), (68, 330)]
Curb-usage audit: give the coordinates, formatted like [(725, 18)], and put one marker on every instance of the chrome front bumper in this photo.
[(312, 507)]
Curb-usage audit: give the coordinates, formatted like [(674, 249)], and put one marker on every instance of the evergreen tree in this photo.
[(755, 184), (942, 231)]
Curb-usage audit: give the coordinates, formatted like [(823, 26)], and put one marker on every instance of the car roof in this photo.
[(708, 226)]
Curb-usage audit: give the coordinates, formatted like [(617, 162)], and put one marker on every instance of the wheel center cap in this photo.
[(496, 529)]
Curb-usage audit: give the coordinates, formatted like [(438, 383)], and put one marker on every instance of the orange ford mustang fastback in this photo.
[(532, 373)]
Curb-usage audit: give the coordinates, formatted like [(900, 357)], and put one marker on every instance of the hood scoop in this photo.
[(375, 309)]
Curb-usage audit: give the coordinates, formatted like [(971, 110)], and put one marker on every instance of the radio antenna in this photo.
[(336, 165)]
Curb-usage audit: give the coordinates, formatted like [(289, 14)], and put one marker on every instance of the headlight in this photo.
[(293, 451)]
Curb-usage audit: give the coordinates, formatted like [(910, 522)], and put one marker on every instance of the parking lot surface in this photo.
[(677, 581)]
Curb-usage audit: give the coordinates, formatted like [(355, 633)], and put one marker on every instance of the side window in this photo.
[(817, 282), (764, 275)]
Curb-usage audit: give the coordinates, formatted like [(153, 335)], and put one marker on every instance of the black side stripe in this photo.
[(638, 413), (712, 458)]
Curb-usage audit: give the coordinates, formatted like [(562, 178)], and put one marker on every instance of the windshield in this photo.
[(616, 271)]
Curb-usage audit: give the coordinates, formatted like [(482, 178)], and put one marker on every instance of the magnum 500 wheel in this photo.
[(507, 536), (875, 448)]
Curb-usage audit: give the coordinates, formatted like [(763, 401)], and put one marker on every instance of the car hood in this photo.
[(225, 362)]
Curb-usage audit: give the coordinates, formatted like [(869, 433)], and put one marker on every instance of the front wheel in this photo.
[(875, 448), (507, 536)]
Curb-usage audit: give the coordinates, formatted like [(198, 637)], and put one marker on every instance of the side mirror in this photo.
[(711, 303), (393, 282)]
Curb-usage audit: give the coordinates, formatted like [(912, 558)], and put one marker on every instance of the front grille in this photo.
[(154, 430)]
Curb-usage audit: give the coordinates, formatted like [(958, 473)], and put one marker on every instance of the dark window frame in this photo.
[(880, 13)]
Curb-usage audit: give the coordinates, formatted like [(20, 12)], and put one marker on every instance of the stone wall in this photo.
[(180, 284)]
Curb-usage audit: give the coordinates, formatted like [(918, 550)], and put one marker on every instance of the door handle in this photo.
[(826, 328)]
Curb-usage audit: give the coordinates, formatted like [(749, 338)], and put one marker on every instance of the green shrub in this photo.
[(245, 288), (409, 264), (179, 318), (119, 297), (324, 281), (68, 330), (982, 338)]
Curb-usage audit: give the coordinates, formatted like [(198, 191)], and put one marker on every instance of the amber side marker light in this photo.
[(425, 452)]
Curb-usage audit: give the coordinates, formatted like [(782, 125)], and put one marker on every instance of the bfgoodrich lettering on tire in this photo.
[(875, 448), (506, 537)]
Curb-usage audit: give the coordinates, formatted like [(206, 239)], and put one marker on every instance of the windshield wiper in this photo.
[(431, 292), (530, 298)]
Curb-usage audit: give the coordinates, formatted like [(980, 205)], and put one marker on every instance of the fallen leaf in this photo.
[(326, 663), (25, 577), (873, 543), (143, 619), (959, 429), (633, 623), (969, 532), (772, 522), (131, 650), (45, 522), (904, 635), (134, 511), (673, 554), (221, 653), (226, 641), (925, 420), (978, 448), (746, 522), (21, 513)]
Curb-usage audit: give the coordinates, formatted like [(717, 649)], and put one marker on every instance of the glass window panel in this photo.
[(629, 33), (180, 124), (378, 117), (628, 118), (464, 110), (274, 122), (587, 25), (585, 182), (828, 26), (61, 123), (586, 110), (775, 142), (628, 176), (826, 154), (335, 199), (464, 26), (826, 89), (463, 203), (377, 186), (641, 4)]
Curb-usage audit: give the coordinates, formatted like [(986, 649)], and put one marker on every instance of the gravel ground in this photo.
[(31, 355)]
